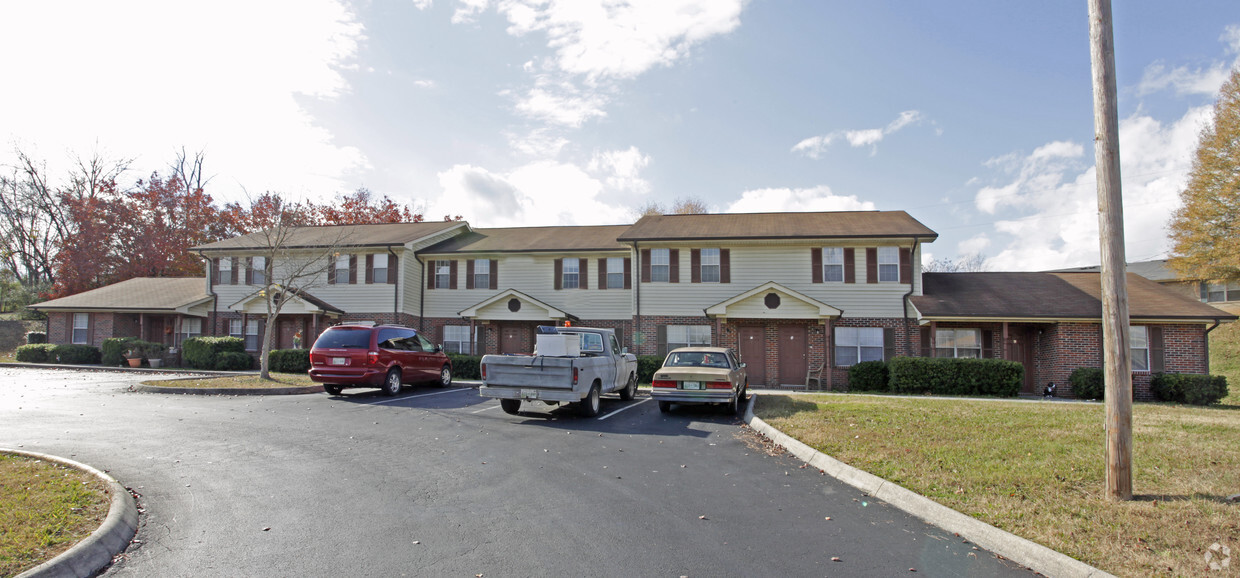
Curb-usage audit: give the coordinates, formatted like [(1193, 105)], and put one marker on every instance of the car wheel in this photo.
[(332, 388), (665, 406), (589, 406), (391, 384), (630, 389), (445, 377), (734, 407), (510, 406)]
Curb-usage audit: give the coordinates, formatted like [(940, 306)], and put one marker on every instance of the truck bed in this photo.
[(534, 371)]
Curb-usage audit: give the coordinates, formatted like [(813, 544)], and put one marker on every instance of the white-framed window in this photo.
[(958, 343), (191, 327), (342, 270), (1139, 347), (251, 335), (687, 336), (889, 264), (482, 274), (259, 266), (710, 265), (81, 328), (660, 265), (379, 268), (833, 264), (234, 328), (1219, 292), (856, 344), (443, 274), (571, 274), (456, 339), (615, 272), (225, 271)]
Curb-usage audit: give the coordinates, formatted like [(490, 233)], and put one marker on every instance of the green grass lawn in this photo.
[(1225, 358), (45, 508), (1036, 469)]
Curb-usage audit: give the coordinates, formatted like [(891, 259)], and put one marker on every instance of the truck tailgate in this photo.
[(526, 371)]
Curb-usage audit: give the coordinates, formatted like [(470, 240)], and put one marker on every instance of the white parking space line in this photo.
[(422, 395), (624, 408), (485, 408)]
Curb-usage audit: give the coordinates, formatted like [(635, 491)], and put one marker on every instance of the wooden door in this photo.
[(793, 353), (1020, 349), (752, 349), (510, 339)]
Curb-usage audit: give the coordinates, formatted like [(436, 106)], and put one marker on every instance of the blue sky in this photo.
[(975, 117)]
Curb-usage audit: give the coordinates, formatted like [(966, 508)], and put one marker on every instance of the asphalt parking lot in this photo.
[(441, 482)]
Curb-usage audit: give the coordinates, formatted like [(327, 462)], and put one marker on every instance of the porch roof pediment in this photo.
[(752, 304), (498, 307), (298, 303)]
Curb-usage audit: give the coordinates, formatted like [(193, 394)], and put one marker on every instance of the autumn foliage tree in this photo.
[(1205, 230)]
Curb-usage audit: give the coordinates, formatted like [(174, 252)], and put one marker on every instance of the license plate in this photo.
[(339, 361), (529, 394), (691, 385)]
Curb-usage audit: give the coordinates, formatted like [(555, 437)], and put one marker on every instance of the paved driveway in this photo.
[(443, 483)]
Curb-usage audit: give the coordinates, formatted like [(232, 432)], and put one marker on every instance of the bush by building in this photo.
[(868, 376), (289, 360), (36, 337), (953, 376), (35, 353), (1087, 383), (203, 352), (1188, 388), (75, 354), (113, 350), (465, 366), (646, 366), (233, 361)]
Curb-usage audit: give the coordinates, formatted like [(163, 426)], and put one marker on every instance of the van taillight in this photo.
[(372, 358), (574, 376)]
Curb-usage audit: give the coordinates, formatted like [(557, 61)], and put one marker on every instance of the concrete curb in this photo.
[(1025, 552), (88, 557)]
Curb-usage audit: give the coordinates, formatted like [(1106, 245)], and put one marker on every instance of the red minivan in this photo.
[(382, 356)]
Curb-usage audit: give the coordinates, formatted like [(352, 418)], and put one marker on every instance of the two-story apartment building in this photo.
[(790, 292)]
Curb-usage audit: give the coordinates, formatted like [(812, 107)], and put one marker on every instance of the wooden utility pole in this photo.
[(1116, 361)]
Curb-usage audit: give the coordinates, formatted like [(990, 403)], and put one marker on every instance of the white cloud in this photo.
[(814, 147), (1060, 227), (974, 245), (561, 104), (622, 170), (422, 4), (1186, 80), (142, 78), (818, 198), (468, 10)]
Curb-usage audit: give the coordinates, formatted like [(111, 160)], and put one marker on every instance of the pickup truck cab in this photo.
[(569, 365)]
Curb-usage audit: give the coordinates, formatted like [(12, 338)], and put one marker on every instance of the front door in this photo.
[(793, 351), (1020, 349), (753, 354), (510, 339)]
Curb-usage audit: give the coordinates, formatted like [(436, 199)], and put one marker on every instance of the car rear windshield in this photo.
[(696, 359), (344, 339)]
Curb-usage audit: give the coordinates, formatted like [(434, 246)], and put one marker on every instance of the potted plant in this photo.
[(134, 357), (154, 353)]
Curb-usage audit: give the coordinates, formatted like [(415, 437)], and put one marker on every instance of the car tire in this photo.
[(734, 406), (589, 407), (391, 383), (630, 389), (445, 377), (332, 388), (510, 406), (665, 406)]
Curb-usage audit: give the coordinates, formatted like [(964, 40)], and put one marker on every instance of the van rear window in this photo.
[(344, 339)]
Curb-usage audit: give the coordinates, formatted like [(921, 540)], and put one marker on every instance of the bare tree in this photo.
[(680, 206), (971, 263)]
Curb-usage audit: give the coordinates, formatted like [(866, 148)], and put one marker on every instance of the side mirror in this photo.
[(624, 351), (742, 365), (438, 348)]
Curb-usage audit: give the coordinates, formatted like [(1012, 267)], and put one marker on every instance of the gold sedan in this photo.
[(700, 375)]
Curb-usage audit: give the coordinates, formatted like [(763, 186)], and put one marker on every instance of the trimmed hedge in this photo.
[(36, 353), (36, 337), (112, 352), (646, 366), (465, 366), (1189, 388), (289, 360), (233, 361), (868, 376), (1087, 383), (952, 376), (203, 352), (75, 354)]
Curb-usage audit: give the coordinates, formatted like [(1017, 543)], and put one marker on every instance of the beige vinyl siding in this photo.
[(789, 265), (413, 277), (532, 274), (789, 308)]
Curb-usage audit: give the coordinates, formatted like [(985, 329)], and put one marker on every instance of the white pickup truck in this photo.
[(556, 373)]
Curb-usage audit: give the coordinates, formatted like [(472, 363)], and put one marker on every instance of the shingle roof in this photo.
[(339, 235), (1049, 295), (532, 239), (845, 224), (1152, 270), (145, 293)]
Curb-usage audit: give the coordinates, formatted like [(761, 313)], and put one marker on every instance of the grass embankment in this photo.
[(1225, 358), (279, 380), (1036, 470), (45, 508)]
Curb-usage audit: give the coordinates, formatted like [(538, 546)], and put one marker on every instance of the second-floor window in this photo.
[(443, 274), (1218, 292), (833, 264), (710, 265), (259, 267), (226, 271), (342, 270), (482, 274), (660, 266), (615, 273), (379, 271), (572, 274), (889, 264)]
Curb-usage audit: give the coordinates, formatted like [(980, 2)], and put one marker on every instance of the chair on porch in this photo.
[(815, 374)]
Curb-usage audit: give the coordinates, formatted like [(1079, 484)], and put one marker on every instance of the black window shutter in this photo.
[(889, 344), (673, 269), (469, 273), (850, 265), (988, 346), (602, 273), (815, 265), (583, 273), (906, 265), (558, 271), (331, 270), (452, 274), (925, 342), (370, 268), (494, 273), (249, 270), (352, 269), (695, 265), (1155, 335), (661, 340), (871, 264), (392, 269), (645, 265), (215, 271), (725, 265), (628, 272), (430, 274)]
